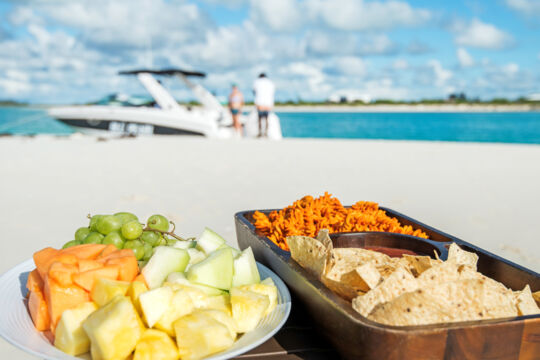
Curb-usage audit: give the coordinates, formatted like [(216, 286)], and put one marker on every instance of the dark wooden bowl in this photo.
[(356, 337)]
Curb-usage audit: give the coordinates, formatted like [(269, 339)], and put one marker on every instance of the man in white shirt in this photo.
[(264, 100)]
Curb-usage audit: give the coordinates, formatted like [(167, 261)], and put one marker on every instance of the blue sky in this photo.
[(59, 51)]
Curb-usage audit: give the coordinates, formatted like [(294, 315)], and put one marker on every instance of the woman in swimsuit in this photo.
[(236, 101)]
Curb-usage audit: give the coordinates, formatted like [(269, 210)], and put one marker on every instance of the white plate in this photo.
[(17, 328)]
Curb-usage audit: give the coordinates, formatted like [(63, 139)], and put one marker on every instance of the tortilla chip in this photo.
[(461, 300), (536, 297), (525, 302), (309, 253), (462, 257), (365, 277), (419, 264), (399, 282), (344, 290), (324, 238), (345, 260)]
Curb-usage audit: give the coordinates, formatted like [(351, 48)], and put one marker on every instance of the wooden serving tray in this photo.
[(356, 337)]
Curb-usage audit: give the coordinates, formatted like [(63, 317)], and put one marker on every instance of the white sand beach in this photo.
[(486, 194)]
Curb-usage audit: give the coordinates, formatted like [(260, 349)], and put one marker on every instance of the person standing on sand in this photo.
[(264, 89), (236, 101)]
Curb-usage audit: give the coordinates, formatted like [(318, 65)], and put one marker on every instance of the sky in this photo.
[(60, 51)]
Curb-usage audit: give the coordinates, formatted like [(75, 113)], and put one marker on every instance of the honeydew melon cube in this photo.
[(164, 261), (155, 303), (155, 344), (245, 269), (114, 329), (186, 244), (70, 336), (209, 241), (199, 335), (248, 308), (181, 304), (195, 256), (235, 252), (180, 278), (215, 271)]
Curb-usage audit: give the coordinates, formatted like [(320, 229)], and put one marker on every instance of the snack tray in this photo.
[(356, 337)]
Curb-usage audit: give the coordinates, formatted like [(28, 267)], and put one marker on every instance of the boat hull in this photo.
[(116, 127)]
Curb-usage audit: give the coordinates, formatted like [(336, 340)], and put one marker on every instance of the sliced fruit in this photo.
[(34, 282), (220, 302), (85, 251), (87, 279), (264, 289), (181, 304), (164, 261), (85, 265), (114, 330), (185, 244), (155, 345), (195, 256), (180, 278), (199, 335), (248, 308), (61, 298), (109, 249), (245, 269), (70, 336), (128, 268), (209, 241), (105, 290), (215, 271), (136, 288), (43, 259), (224, 318), (154, 303), (63, 273), (235, 252), (37, 306)]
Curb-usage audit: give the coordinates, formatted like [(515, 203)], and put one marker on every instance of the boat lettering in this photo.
[(131, 128)]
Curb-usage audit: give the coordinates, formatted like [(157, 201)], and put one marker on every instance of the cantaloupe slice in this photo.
[(63, 273), (85, 251), (128, 266), (38, 310), (43, 259), (60, 298), (85, 265), (140, 278), (34, 282), (116, 254), (87, 279), (108, 250)]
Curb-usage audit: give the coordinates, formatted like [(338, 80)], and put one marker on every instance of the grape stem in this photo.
[(170, 233)]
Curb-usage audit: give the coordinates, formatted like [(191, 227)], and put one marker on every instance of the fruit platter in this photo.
[(123, 289)]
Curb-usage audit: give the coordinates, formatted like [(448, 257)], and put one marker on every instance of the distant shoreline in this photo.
[(409, 108)]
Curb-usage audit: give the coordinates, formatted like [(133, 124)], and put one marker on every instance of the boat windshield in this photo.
[(126, 100)]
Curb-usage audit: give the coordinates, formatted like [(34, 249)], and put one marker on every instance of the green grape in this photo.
[(132, 230), (148, 251), (153, 238), (71, 243), (126, 217), (136, 246), (158, 222), (142, 263), (93, 222), (81, 233), (115, 239), (171, 241), (162, 241), (108, 223), (93, 238)]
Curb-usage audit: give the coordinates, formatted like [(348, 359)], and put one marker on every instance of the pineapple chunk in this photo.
[(197, 295), (105, 289), (70, 336), (155, 345), (114, 329), (181, 304), (248, 308), (221, 302), (264, 289), (199, 335), (136, 288), (155, 303), (224, 318)]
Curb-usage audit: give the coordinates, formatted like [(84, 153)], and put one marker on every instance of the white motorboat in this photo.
[(164, 115)]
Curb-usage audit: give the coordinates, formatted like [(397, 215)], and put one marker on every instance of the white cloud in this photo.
[(322, 43), (465, 59), (400, 64), (279, 15), (478, 34), (525, 7), (441, 74), (362, 15), (347, 66), (510, 69)]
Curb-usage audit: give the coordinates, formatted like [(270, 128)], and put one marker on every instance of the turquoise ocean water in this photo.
[(521, 127)]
